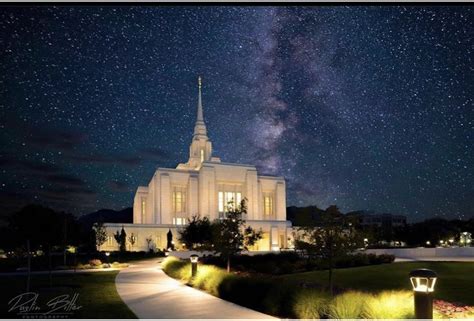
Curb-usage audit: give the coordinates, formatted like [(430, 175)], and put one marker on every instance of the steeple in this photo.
[(200, 127), (200, 150)]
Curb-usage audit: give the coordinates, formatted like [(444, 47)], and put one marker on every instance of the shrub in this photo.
[(209, 278), (348, 305), (310, 304), (246, 291), (389, 305), (177, 268), (95, 262), (386, 258), (83, 266)]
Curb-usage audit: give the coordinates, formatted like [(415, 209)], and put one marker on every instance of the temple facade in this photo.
[(204, 186)]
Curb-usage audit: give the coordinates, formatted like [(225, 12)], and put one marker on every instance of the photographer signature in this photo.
[(27, 303)]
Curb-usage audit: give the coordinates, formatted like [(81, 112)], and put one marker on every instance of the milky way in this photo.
[(362, 107)]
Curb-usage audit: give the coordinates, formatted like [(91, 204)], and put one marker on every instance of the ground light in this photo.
[(194, 262), (423, 282)]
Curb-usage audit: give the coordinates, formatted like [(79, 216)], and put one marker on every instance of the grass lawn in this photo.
[(455, 279), (98, 297)]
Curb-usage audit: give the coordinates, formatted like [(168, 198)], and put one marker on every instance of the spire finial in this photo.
[(199, 113)]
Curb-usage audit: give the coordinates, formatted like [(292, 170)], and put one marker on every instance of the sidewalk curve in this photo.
[(151, 294)]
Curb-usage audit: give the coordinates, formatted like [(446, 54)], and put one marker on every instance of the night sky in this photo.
[(362, 107)]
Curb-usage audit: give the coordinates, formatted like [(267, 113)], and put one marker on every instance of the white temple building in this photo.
[(203, 186)]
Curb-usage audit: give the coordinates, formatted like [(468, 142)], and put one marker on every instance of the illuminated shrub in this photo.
[(348, 305), (310, 304), (177, 268), (389, 305), (209, 278), (95, 263)]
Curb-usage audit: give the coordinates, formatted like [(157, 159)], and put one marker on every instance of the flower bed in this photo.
[(446, 310)]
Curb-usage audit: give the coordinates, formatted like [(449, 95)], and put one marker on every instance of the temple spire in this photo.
[(200, 127), (199, 114)]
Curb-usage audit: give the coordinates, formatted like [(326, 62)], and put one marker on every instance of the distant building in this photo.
[(380, 220)]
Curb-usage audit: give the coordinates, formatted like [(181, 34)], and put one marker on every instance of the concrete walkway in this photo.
[(151, 294)]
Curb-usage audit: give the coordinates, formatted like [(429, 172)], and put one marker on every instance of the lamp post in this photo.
[(423, 282), (465, 239), (107, 254), (194, 262)]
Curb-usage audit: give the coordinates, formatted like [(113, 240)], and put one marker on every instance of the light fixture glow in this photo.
[(423, 280)]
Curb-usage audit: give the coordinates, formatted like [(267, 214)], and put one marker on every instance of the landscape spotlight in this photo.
[(423, 282), (194, 261)]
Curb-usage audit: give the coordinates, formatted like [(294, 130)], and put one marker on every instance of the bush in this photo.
[(310, 304), (348, 305), (269, 263), (247, 291), (177, 268), (95, 262), (362, 259), (389, 305), (209, 278), (386, 258)]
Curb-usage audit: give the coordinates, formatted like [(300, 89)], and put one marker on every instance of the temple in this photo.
[(204, 186)]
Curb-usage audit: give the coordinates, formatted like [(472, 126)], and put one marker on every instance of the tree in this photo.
[(100, 234), (132, 239), (334, 237), (149, 243), (230, 235), (197, 235), (40, 224), (121, 238)]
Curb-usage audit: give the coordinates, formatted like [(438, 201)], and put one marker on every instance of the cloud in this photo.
[(29, 166), (55, 138), (109, 159), (155, 153), (65, 179), (139, 156), (118, 186)]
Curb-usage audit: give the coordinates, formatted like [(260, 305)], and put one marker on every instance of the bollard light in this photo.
[(107, 254), (423, 282), (194, 261), (194, 258)]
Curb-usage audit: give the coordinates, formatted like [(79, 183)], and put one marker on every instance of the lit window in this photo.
[(268, 206), (228, 200), (202, 155), (179, 221), (143, 209), (179, 200), (221, 202)]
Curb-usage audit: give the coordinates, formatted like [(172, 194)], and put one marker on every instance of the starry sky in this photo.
[(364, 107)]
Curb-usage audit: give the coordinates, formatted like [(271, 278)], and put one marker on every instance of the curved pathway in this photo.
[(151, 294)]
